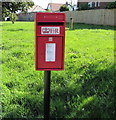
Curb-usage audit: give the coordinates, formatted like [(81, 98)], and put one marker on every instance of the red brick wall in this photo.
[(102, 5)]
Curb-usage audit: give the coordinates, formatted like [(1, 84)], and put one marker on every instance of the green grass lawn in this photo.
[(83, 90)]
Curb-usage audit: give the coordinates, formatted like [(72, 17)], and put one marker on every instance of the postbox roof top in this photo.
[(50, 17)]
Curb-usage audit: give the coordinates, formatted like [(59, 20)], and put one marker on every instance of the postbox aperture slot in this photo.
[(51, 23)]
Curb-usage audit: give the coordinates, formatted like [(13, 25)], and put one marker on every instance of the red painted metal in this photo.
[(50, 29)]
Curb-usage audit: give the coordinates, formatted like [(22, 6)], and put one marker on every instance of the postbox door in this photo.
[(49, 52)]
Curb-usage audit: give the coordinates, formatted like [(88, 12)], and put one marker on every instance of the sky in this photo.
[(44, 3)]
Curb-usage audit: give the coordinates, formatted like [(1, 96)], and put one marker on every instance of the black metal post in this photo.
[(47, 75)]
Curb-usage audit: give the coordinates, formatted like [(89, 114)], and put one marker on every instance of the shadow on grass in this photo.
[(93, 99), (13, 30), (90, 26)]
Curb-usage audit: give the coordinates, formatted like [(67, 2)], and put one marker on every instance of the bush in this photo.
[(64, 8), (111, 5), (84, 7)]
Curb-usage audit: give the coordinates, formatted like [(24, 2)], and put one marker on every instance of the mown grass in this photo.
[(83, 90)]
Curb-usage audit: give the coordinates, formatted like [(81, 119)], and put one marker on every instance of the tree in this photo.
[(10, 8), (64, 8), (111, 5)]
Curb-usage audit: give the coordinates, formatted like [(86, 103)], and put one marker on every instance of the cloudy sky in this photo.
[(44, 3)]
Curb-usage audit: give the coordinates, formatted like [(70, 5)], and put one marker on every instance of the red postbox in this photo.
[(50, 41)]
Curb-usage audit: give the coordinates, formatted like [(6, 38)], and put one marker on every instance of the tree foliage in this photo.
[(10, 8), (64, 8)]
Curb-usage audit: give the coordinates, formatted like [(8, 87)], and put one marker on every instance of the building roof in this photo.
[(54, 6), (96, 0), (36, 8)]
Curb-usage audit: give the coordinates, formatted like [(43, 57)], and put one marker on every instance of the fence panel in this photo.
[(97, 17)]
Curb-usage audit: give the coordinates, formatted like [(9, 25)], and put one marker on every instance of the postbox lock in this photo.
[(50, 39)]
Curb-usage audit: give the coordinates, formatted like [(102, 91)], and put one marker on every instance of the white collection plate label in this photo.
[(50, 30), (50, 52)]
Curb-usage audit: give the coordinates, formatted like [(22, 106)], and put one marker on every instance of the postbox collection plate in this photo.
[(50, 30)]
